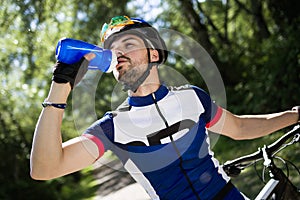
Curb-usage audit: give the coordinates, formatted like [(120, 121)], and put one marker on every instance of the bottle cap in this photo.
[(113, 63)]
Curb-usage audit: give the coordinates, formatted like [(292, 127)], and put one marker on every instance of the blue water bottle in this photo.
[(70, 51)]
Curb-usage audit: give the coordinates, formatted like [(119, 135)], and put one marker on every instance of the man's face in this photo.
[(132, 58)]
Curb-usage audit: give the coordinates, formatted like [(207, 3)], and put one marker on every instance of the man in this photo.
[(159, 134)]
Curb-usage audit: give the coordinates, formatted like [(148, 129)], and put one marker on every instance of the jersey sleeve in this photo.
[(212, 112), (100, 133)]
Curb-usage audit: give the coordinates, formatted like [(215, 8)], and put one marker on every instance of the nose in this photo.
[(118, 52)]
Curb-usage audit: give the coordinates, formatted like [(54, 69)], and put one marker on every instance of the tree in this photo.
[(256, 47), (254, 44), (29, 32)]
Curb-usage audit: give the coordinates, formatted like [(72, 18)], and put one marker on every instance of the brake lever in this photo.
[(296, 138), (267, 160)]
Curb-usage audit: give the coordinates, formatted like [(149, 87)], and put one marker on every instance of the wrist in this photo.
[(59, 92), (297, 109), (55, 105)]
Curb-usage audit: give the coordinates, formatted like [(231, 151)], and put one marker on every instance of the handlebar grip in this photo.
[(232, 171)]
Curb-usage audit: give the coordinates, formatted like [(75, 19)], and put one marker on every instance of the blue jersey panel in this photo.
[(163, 143)]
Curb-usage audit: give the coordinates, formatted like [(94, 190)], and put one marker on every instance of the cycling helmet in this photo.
[(123, 24)]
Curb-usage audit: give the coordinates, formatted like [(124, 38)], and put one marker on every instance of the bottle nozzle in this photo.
[(113, 62)]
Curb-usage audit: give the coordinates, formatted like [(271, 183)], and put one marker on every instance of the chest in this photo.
[(172, 116)]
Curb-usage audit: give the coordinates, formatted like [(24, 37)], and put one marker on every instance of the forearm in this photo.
[(47, 142), (241, 127), (255, 126)]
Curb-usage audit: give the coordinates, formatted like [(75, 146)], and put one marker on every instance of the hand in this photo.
[(297, 108), (72, 73)]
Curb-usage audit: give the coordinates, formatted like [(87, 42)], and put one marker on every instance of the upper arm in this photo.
[(84, 150), (218, 119), (78, 153), (227, 124)]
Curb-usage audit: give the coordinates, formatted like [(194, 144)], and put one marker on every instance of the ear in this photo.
[(154, 55)]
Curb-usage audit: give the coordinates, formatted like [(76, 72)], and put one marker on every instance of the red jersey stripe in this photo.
[(216, 118), (98, 142)]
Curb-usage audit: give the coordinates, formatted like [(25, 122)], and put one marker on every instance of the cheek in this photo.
[(141, 57)]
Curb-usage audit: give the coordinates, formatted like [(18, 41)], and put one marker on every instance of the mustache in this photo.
[(123, 57)]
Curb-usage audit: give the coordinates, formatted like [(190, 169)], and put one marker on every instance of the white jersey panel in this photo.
[(141, 122)]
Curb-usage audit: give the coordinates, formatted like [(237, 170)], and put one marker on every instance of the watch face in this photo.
[(45, 104)]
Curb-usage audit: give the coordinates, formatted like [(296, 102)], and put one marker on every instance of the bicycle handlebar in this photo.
[(234, 167)]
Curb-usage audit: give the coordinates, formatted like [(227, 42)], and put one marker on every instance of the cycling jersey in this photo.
[(163, 143)]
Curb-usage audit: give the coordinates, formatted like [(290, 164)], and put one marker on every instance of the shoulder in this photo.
[(187, 87), (103, 129), (201, 93), (102, 124), (180, 88)]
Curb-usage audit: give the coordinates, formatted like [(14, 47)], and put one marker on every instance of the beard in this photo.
[(132, 75), (134, 71)]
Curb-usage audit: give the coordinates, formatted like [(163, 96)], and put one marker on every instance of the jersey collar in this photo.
[(160, 93)]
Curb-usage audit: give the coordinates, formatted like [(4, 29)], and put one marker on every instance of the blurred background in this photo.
[(254, 43)]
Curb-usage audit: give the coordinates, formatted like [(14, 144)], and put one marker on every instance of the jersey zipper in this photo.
[(175, 147)]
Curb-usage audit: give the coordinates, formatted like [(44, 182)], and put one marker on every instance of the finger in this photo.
[(90, 56)]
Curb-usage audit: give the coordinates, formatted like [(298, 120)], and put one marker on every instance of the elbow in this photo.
[(40, 176), (40, 173), (37, 177), (41, 170), (237, 130), (237, 136)]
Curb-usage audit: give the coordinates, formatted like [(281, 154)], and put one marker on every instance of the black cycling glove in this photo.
[(72, 73)]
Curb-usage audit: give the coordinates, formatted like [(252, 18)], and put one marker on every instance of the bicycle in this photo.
[(279, 186)]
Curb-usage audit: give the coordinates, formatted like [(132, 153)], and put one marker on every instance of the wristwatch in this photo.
[(56, 105)]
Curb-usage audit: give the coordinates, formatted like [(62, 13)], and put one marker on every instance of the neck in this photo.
[(150, 85), (145, 90)]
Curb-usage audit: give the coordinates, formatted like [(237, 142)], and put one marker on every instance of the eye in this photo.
[(129, 45)]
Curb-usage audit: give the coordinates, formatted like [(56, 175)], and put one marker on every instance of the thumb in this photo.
[(90, 56)]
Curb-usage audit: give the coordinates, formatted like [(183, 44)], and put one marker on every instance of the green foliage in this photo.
[(29, 32), (254, 44), (274, 70)]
